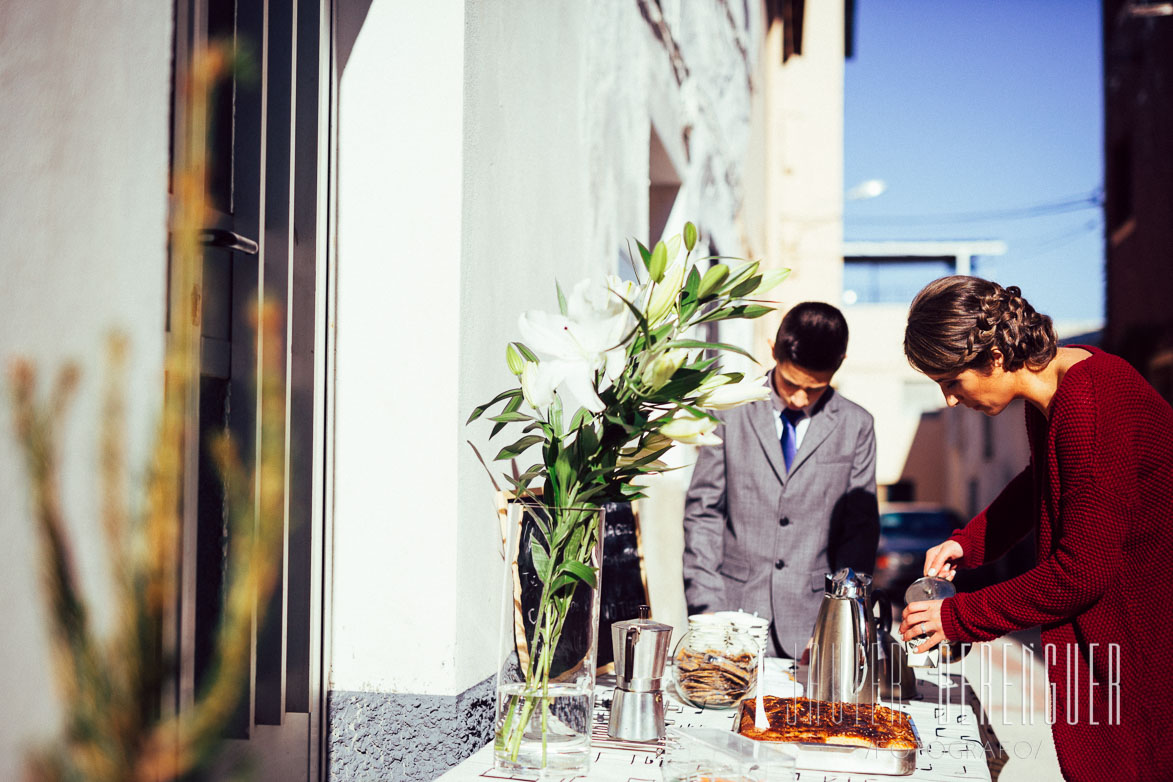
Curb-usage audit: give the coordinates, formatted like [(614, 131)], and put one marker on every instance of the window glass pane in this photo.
[(890, 281)]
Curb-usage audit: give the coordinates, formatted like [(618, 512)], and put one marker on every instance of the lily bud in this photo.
[(734, 395), (665, 294), (657, 374), (514, 360), (712, 280), (690, 430)]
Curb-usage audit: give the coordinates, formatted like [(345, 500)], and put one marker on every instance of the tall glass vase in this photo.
[(549, 632)]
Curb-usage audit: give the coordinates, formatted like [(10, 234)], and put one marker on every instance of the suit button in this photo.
[(784, 521), (779, 565)]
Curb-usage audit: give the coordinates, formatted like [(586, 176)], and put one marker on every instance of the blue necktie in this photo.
[(789, 435)]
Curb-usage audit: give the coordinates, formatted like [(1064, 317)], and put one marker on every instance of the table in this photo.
[(943, 713)]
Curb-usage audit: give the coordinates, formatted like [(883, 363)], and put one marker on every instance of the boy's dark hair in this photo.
[(813, 335)]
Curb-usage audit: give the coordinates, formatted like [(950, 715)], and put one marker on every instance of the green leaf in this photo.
[(513, 392), (740, 274), (696, 343), (510, 416), (516, 449), (645, 254), (751, 311), (541, 559), (712, 280), (587, 443), (561, 298), (770, 280), (529, 354), (564, 580), (658, 262), (579, 418), (650, 457), (556, 414), (688, 298), (684, 382), (692, 284), (720, 313), (630, 491), (745, 287), (689, 236), (580, 571), (564, 471)]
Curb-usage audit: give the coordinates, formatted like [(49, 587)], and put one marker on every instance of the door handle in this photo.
[(228, 240)]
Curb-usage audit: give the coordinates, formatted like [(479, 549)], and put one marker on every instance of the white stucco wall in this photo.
[(399, 242), (560, 100), (84, 100)]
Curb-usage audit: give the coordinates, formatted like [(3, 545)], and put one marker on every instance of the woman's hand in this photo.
[(938, 560), (923, 618)]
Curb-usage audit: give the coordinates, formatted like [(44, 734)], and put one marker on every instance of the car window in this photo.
[(935, 524)]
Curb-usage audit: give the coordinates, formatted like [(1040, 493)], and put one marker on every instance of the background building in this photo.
[(1138, 176)]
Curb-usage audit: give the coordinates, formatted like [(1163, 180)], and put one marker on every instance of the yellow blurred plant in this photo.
[(116, 727)]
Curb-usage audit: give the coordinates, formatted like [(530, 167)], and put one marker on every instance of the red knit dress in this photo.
[(1099, 493)]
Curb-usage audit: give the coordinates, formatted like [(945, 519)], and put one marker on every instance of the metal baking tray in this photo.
[(855, 760)]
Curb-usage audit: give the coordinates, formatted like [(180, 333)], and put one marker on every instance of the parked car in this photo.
[(907, 531)]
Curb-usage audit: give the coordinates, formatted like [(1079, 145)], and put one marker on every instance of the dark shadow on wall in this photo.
[(349, 18)]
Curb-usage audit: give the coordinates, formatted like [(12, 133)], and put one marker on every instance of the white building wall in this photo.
[(485, 151), (804, 230), (84, 103), (395, 586)]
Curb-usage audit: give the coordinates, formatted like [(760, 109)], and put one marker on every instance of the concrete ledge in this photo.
[(397, 736)]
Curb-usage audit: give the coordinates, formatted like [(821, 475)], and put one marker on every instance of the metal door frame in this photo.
[(319, 172)]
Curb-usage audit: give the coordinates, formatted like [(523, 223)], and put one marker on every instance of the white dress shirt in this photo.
[(800, 426)]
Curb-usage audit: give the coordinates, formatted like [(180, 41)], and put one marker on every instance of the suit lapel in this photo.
[(821, 426), (762, 416)]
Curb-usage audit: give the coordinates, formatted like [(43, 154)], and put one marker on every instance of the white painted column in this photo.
[(399, 247), (84, 109)]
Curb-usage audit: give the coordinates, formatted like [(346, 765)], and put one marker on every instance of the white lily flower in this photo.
[(691, 430), (537, 385), (624, 288), (575, 346), (730, 395)]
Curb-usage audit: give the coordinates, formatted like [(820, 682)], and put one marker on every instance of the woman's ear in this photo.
[(996, 358)]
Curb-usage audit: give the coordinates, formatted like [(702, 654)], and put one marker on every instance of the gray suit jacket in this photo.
[(759, 539)]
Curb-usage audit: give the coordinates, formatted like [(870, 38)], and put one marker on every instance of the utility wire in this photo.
[(1092, 200)]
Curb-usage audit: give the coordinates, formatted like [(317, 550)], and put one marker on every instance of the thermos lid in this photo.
[(929, 588), (846, 583)]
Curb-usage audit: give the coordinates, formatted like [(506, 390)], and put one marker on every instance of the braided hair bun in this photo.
[(955, 323)]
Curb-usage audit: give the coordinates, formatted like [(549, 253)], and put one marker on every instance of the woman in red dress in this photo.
[(1098, 494)]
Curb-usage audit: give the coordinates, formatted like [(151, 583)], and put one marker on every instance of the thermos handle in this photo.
[(885, 604), (859, 627)]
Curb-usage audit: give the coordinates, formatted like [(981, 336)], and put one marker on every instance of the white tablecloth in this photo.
[(943, 715)]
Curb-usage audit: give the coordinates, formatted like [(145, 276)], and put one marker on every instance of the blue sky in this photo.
[(974, 106)]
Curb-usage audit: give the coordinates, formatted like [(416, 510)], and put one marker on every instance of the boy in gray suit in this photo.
[(790, 494)]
